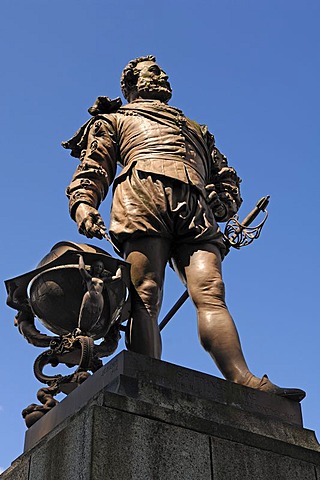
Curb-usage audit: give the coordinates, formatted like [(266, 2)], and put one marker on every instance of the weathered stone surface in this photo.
[(148, 371), (234, 461), (132, 421), (19, 469), (207, 386), (67, 454), (213, 418), (148, 449)]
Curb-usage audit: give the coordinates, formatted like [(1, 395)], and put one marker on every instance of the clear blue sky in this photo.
[(250, 70)]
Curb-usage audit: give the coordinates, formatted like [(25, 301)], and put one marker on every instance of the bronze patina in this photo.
[(81, 294), (175, 185)]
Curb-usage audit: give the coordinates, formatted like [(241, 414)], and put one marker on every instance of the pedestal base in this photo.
[(140, 418)]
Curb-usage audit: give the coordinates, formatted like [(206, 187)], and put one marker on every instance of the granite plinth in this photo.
[(141, 418)]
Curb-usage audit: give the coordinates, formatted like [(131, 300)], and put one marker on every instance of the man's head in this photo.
[(97, 268), (143, 78)]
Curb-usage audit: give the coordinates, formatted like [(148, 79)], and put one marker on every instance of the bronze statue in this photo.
[(174, 187)]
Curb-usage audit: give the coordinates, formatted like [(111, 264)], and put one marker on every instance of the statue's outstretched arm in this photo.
[(82, 269)]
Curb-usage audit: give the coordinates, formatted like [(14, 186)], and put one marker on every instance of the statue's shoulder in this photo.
[(101, 109), (208, 136), (75, 142), (203, 130), (104, 105)]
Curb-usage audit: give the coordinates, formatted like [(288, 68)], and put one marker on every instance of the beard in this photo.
[(160, 90)]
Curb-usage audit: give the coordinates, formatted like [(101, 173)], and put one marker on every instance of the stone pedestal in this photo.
[(140, 418)]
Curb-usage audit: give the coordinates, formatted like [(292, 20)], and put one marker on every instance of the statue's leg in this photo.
[(148, 257), (201, 267)]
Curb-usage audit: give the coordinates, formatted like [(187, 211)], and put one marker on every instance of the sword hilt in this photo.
[(260, 207), (239, 234)]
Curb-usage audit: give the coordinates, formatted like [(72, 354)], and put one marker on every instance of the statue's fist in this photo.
[(218, 208), (89, 221)]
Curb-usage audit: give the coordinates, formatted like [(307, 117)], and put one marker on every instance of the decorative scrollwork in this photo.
[(239, 234), (81, 350)]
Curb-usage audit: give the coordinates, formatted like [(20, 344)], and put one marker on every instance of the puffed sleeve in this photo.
[(225, 180), (98, 163)]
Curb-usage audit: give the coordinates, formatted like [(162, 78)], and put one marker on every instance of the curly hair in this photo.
[(129, 75)]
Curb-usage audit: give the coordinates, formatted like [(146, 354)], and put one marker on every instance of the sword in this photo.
[(107, 237), (236, 234)]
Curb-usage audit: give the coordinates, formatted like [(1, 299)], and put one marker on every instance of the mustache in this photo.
[(164, 85)]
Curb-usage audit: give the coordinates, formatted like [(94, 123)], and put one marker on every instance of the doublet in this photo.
[(153, 137)]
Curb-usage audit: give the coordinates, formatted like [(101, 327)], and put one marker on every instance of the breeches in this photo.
[(146, 204)]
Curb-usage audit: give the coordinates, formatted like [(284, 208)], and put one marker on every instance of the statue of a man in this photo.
[(174, 187)]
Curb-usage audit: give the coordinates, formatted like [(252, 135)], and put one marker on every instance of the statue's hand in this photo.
[(89, 221), (119, 271), (218, 208)]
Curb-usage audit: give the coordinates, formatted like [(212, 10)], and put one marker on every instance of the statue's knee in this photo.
[(209, 292), (149, 290), (219, 288)]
